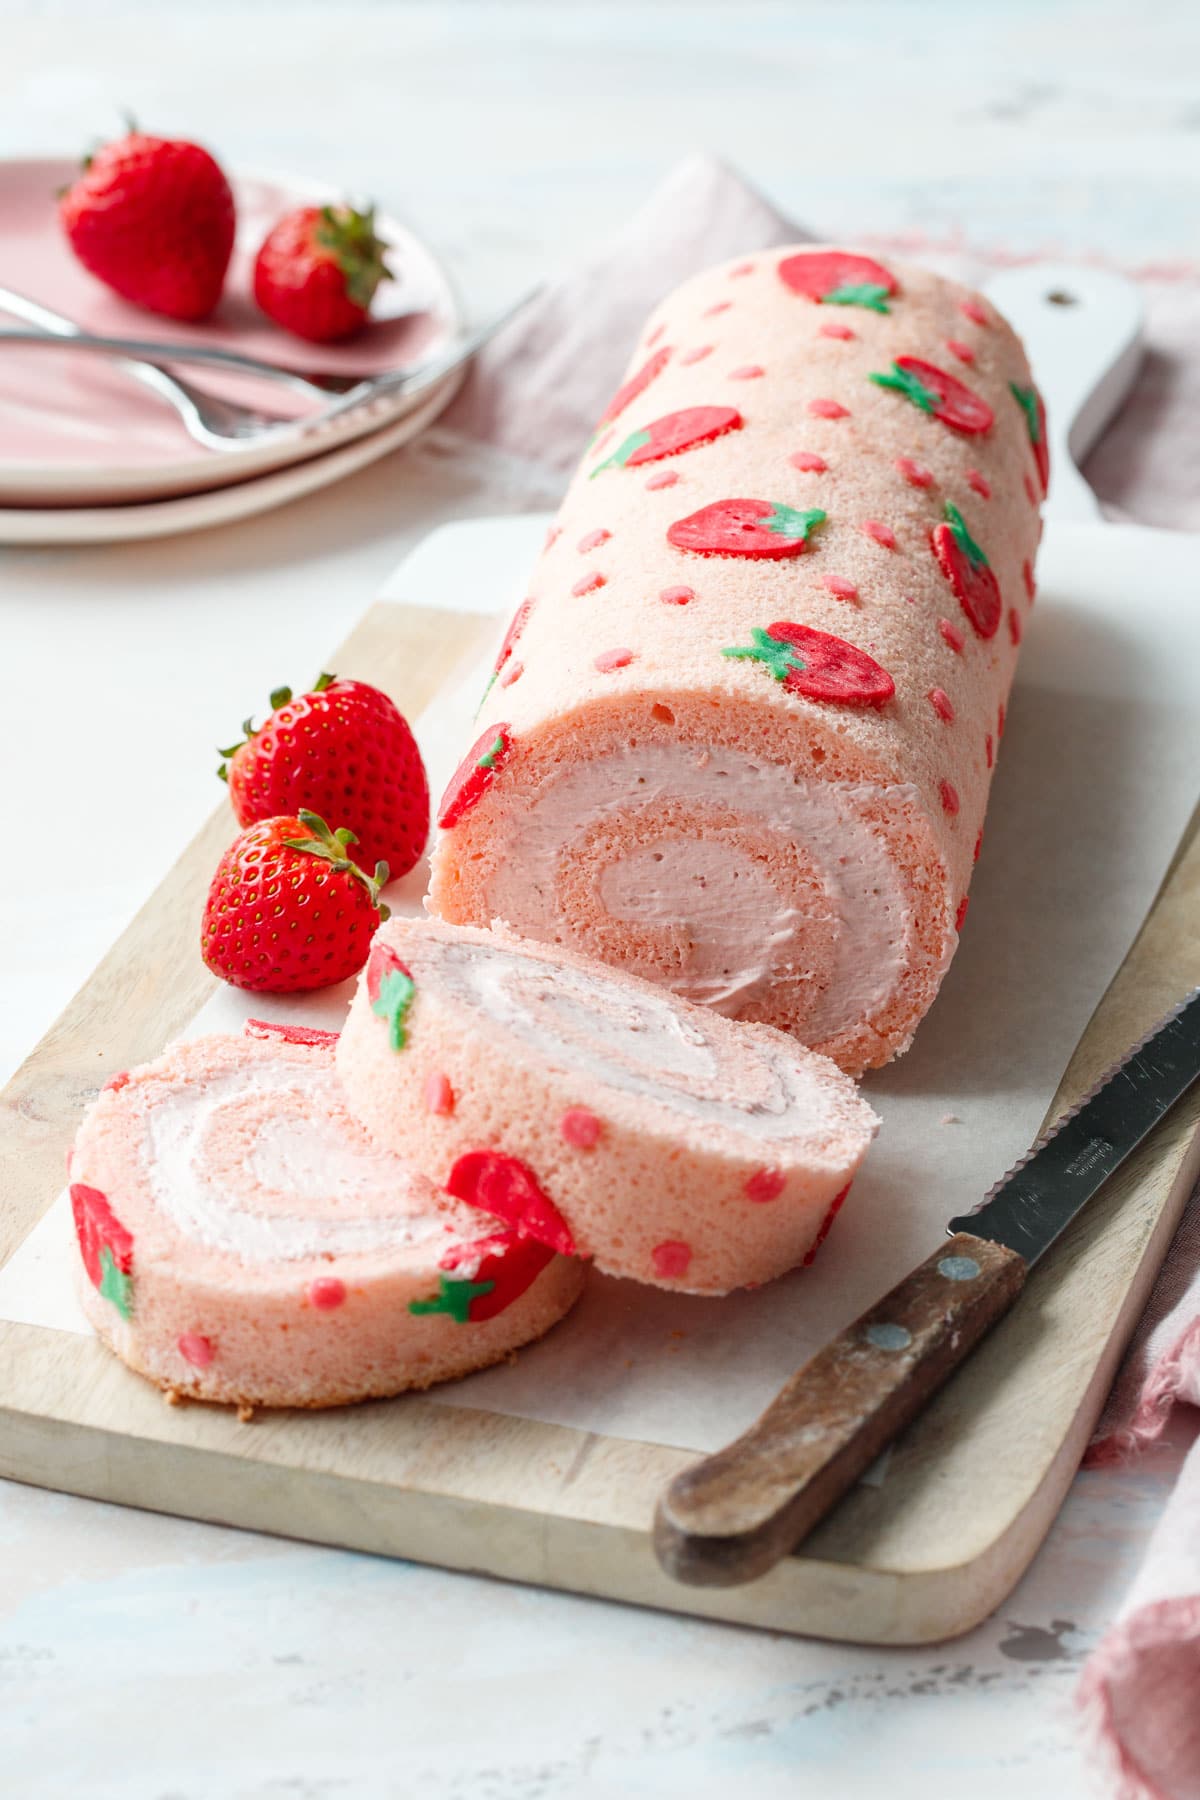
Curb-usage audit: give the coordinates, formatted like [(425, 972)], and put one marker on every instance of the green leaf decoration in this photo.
[(488, 759), (1026, 398), (115, 1285), (909, 385), (789, 521), (622, 453), (778, 658), (962, 537), (396, 992), (454, 1298), (863, 293)]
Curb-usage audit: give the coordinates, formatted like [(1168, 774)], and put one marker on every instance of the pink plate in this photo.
[(75, 432)]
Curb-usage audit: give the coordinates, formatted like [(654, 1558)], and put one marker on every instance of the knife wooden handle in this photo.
[(730, 1518)]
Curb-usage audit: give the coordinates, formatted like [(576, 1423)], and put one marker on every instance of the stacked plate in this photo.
[(87, 455)]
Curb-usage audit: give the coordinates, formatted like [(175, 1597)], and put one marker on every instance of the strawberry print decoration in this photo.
[(637, 384), (817, 665), (105, 1245), (475, 775), (835, 278), (1032, 405), (508, 1189), (968, 571), (390, 989), (506, 1266), (943, 396), (761, 528), (519, 621), (672, 433)]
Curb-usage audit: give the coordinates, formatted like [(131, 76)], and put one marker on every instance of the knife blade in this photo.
[(730, 1517)]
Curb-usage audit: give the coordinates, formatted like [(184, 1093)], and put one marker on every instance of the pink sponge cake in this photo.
[(243, 1240), (742, 729), (596, 1113)]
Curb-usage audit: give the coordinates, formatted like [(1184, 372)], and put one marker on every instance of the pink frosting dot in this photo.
[(592, 540), (195, 1349), (1027, 578), (438, 1093), (831, 329), (1001, 715), (602, 442), (747, 372), (971, 309), (839, 587), (553, 533), (580, 1128), (654, 336), (809, 461), (980, 483), (587, 584), (677, 596), (710, 312), (952, 635), (671, 1258), (1014, 626), (964, 352), (1031, 493), (696, 355), (828, 409), (608, 660), (765, 1184), (914, 472), (949, 797), (960, 916), (942, 704), (664, 478), (881, 533), (746, 268), (989, 749), (978, 847), (512, 671), (326, 1293)]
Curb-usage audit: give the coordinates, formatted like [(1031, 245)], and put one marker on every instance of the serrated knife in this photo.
[(730, 1517)]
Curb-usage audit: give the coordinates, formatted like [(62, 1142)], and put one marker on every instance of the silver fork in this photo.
[(222, 424)]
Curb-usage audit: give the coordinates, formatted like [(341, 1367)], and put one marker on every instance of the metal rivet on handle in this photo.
[(958, 1268), (889, 1337)]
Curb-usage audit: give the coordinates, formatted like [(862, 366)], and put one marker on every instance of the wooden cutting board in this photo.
[(971, 1489)]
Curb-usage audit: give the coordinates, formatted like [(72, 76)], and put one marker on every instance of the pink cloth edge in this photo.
[(1173, 1622), (1168, 1383)]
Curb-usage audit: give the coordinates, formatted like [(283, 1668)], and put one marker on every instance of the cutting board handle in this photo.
[(1082, 329)]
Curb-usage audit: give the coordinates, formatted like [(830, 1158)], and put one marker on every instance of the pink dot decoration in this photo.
[(978, 847), (747, 372), (655, 335), (438, 1094), (831, 329), (881, 534), (608, 660), (580, 1128), (839, 587), (697, 355), (961, 915), (746, 268), (971, 309), (765, 1184), (553, 533), (327, 1293), (942, 704), (1001, 715), (1031, 493), (964, 352), (710, 312), (948, 794), (808, 461), (195, 1349), (677, 596), (828, 409), (1014, 626), (979, 484), (601, 443), (671, 1258), (952, 635), (915, 473), (989, 750), (665, 478), (512, 671), (1027, 578), (587, 584), (592, 540)]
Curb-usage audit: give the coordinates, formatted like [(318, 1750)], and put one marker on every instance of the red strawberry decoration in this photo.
[(342, 750), (968, 571), (288, 910), (672, 433), (153, 218), (391, 990), (508, 1265), (943, 396), (637, 384), (519, 621), (105, 1245), (760, 528), (312, 1035), (817, 665), (835, 278), (508, 1189), (1033, 406), (318, 269), (475, 775)]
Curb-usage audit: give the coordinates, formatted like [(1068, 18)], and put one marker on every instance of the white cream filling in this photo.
[(348, 1199), (743, 933)]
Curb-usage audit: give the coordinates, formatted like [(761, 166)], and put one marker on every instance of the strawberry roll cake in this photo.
[(741, 731), (243, 1240), (595, 1113)]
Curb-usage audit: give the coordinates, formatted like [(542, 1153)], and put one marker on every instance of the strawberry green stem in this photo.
[(331, 847), (870, 294), (909, 385), (454, 1298), (622, 453), (778, 658), (1027, 400), (789, 521), (962, 537)]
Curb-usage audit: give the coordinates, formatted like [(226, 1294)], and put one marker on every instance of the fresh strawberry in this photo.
[(933, 391), (153, 218), (288, 910), (105, 1246), (508, 1189), (672, 433), (475, 775), (317, 271), (1033, 406), (637, 384), (761, 528), (817, 665), (835, 278), (342, 750), (967, 570)]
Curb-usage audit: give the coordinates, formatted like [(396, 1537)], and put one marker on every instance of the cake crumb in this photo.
[(245, 1414), (173, 1397), (951, 1119)]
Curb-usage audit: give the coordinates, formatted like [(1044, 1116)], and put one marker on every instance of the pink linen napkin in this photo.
[(533, 396)]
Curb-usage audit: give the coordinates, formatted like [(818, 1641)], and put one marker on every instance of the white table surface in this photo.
[(155, 1659)]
